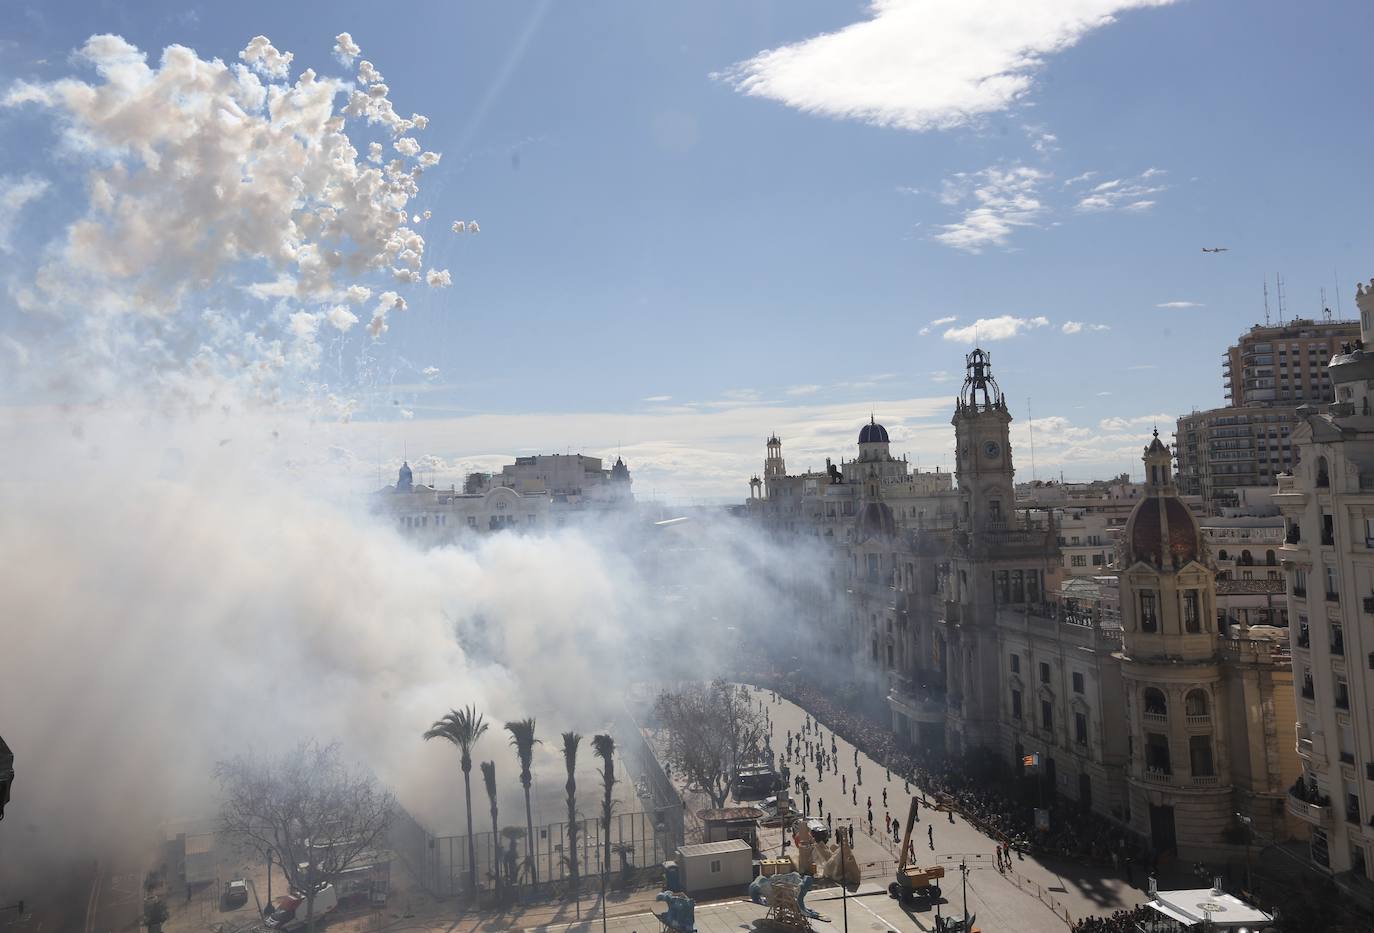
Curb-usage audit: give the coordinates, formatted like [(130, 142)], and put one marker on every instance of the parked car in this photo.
[(235, 893)]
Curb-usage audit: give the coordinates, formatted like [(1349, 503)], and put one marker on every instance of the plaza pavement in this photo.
[(1034, 896)]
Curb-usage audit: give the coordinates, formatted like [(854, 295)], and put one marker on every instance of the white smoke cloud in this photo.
[(346, 50), (341, 318), (368, 74), (16, 193), (266, 60), (196, 170), (439, 278)]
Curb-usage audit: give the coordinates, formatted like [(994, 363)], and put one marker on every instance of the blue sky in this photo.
[(774, 261)]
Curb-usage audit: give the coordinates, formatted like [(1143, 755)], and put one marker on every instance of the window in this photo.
[(1077, 682), (1157, 753), (715, 866), (1080, 728), (1016, 663), (1079, 560), (1016, 704), (1337, 639), (1149, 622), (1018, 587), (1155, 702), (1342, 694), (1200, 756), (1044, 672), (1032, 586), (1331, 588), (1195, 703), (1003, 587), (1192, 618), (1047, 714), (472, 521), (995, 510), (1309, 690)]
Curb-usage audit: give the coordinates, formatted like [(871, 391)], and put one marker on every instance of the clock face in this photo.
[(991, 449)]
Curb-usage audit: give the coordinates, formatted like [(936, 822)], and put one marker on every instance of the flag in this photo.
[(1031, 761)]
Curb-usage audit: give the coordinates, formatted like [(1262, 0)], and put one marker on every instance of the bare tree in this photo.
[(318, 816), (711, 731)]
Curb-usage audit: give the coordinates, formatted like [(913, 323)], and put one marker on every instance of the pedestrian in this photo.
[(856, 757), (917, 811), (930, 835), (884, 796), (820, 803), (894, 831), (950, 814), (842, 787), (906, 787), (854, 794), (870, 801), (870, 822), (859, 775), (889, 772)]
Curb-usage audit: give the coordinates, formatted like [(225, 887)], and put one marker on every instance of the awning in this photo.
[(1172, 914)]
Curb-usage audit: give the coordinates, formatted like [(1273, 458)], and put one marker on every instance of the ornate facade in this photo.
[(960, 614)]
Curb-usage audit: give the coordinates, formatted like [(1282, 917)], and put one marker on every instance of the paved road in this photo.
[(1018, 900)]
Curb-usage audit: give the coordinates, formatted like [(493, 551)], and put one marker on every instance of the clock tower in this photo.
[(982, 427)]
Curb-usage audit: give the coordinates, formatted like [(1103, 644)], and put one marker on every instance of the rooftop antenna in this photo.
[(1340, 315), (1278, 293), (1266, 301), (1030, 427), (1326, 312)]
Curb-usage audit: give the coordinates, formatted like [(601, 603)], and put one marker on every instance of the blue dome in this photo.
[(873, 433)]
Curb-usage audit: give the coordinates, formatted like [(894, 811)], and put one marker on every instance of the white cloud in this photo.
[(1042, 140), (16, 192), (1002, 327), (1180, 305), (1127, 194), (804, 390), (1002, 199), (429, 372), (345, 49), (924, 64), (1076, 327), (438, 278), (1079, 179), (1119, 424), (940, 376), (938, 322), (266, 60), (659, 398)]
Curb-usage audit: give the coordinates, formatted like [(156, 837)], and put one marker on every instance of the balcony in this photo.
[(1198, 721), (1300, 592), (1305, 749), (1156, 717), (1316, 813), (1156, 776), (1304, 638), (1333, 597), (1205, 780)]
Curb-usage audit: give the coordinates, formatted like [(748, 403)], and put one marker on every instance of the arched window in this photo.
[(1155, 702), (1195, 703), (1221, 555), (1271, 558), (1246, 559), (1323, 474)]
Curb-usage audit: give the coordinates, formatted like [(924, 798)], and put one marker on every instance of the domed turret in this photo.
[(1161, 530), (404, 480), (876, 520), (873, 433)]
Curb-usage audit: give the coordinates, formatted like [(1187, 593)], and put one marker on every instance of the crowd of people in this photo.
[(978, 785), (1120, 921)]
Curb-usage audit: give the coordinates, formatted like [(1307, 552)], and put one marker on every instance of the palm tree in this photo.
[(604, 746), (570, 742), (489, 779), (522, 737), (463, 728)]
